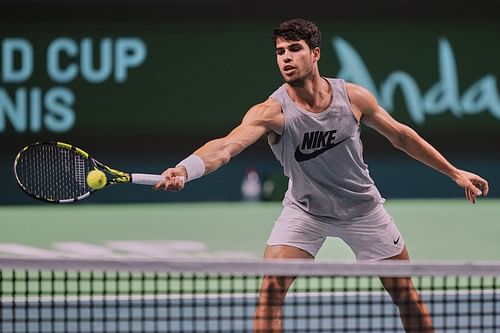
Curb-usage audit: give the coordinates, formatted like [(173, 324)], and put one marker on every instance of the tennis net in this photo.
[(131, 295)]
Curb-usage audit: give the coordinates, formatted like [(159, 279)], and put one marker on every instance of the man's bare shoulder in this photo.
[(266, 111), (269, 107), (361, 98), (267, 114)]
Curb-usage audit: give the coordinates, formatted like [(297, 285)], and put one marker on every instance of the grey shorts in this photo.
[(372, 236)]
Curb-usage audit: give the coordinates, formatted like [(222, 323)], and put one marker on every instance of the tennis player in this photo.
[(312, 124)]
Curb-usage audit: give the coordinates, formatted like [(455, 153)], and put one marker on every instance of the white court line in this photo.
[(135, 298)]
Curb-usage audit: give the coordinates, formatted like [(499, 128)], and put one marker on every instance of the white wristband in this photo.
[(194, 165)]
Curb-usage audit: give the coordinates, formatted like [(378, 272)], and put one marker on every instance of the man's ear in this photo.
[(316, 54)]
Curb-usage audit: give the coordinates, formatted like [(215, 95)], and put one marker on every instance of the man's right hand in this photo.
[(173, 179)]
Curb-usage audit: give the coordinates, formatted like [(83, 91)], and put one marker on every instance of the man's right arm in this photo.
[(258, 121)]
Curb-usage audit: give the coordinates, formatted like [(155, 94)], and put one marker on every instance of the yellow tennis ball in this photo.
[(96, 179)]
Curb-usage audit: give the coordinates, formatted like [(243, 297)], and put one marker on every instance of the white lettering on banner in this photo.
[(24, 110), (24, 51), (33, 109), (443, 96), (118, 56)]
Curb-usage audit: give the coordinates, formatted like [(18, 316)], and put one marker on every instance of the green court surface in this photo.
[(433, 229)]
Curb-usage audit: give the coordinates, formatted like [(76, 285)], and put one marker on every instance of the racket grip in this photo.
[(145, 179)]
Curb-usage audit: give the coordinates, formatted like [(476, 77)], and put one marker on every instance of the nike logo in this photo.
[(397, 240), (301, 157)]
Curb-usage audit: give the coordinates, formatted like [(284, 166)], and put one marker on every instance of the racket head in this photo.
[(54, 172)]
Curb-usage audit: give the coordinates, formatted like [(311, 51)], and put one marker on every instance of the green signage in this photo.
[(187, 82)]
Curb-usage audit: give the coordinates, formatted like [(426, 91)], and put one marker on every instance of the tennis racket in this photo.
[(56, 172)]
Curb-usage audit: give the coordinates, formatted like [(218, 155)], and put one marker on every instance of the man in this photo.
[(313, 127)]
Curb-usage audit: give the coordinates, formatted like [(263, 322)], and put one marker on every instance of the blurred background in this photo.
[(142, 84)]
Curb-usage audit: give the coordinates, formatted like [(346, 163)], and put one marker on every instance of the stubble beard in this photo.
[(298, 82)]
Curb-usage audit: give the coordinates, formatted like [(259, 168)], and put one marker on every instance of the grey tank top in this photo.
[(322, 155)]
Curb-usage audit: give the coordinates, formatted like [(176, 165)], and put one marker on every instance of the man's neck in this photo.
[(314, 96)]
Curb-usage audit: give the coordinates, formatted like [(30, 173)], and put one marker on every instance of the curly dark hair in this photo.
[(299, 29)]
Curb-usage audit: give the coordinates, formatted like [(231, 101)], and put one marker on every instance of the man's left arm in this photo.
[(407, 140)]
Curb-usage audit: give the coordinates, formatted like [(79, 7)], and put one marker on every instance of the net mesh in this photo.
[(206, 296)]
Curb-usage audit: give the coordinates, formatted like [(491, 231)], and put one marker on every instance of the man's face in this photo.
[(295, 60)]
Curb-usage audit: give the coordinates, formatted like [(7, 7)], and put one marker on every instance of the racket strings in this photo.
[(53, 172)]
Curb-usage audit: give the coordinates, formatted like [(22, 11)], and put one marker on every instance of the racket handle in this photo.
[(145, 179)]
